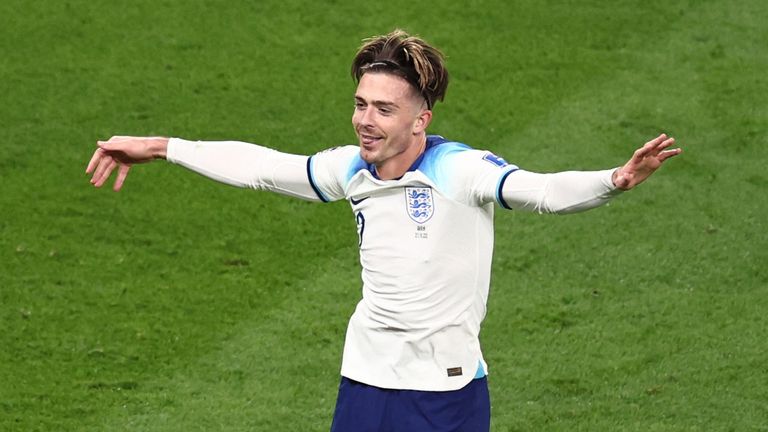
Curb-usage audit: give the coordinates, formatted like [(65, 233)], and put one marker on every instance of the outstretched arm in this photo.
[(574, 191), (232, 162)]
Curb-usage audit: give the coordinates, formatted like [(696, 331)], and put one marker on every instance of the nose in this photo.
[(363, 117)]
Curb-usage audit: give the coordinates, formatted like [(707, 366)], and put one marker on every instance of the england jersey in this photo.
[(426, 241)]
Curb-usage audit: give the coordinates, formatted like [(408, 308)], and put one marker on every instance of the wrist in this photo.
[(158, 147), (619, 179)]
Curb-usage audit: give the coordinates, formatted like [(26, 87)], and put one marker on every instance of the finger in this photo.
[(97, 155), (126, 149), (659, 138), (116, 143), (664, 144), (103, 171), (650, 147), (660, 147), (122, 173), (109, 145), (115, 138), (654, 144), (641, 153), (98, 173), (647, 148), (99, 167), (656, 141), (118, 140), (106, 173), (666, 154)]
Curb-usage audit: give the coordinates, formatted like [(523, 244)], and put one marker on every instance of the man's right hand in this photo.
[(122, 152)]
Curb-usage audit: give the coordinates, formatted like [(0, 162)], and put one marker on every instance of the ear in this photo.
[(422, 121)]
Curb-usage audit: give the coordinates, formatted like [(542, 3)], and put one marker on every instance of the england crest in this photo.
[(419, 203)]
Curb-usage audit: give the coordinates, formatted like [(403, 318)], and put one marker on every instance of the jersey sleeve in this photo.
[(245, 165), (329, 171), (561, 192), (481, 177), (474, 176)]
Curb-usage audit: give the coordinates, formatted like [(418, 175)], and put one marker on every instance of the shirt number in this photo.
[(360, 227)]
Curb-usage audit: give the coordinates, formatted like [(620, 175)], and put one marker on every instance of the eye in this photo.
[(359, 105), (385, 111)]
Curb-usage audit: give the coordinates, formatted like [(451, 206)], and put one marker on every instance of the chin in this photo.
[(367, 156)]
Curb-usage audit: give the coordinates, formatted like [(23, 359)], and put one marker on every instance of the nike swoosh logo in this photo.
[(356, 202)]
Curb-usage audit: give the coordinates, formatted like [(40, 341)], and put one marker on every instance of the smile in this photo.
[(369, 139)]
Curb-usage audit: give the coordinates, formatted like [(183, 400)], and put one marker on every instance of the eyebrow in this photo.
[(378, 104)]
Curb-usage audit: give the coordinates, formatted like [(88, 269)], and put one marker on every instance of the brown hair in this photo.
[(409, 57)]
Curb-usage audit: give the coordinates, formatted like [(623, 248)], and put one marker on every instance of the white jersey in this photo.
[(426, 242)]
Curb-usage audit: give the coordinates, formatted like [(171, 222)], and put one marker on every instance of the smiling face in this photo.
[(390, 121)]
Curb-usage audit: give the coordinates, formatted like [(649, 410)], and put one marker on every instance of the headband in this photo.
[(409, 74)]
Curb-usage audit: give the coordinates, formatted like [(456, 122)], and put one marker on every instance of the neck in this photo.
[(397, 167)]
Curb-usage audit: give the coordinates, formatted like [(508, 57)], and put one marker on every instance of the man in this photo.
[(424, 210)]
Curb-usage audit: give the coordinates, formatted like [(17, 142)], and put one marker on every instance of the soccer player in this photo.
[(424, 210)]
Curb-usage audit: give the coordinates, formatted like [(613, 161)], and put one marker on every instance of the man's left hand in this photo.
[(644, 162)]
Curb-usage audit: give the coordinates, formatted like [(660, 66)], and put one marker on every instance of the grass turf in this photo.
[(181, 304)]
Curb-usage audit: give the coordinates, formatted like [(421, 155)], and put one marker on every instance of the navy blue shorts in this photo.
[(364, 408)]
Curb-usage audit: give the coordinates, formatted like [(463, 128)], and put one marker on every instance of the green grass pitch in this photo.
[(180, 304)]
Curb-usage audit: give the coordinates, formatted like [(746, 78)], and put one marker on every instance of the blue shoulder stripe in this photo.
[(431, 161), (312, 181), (356, 165)]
